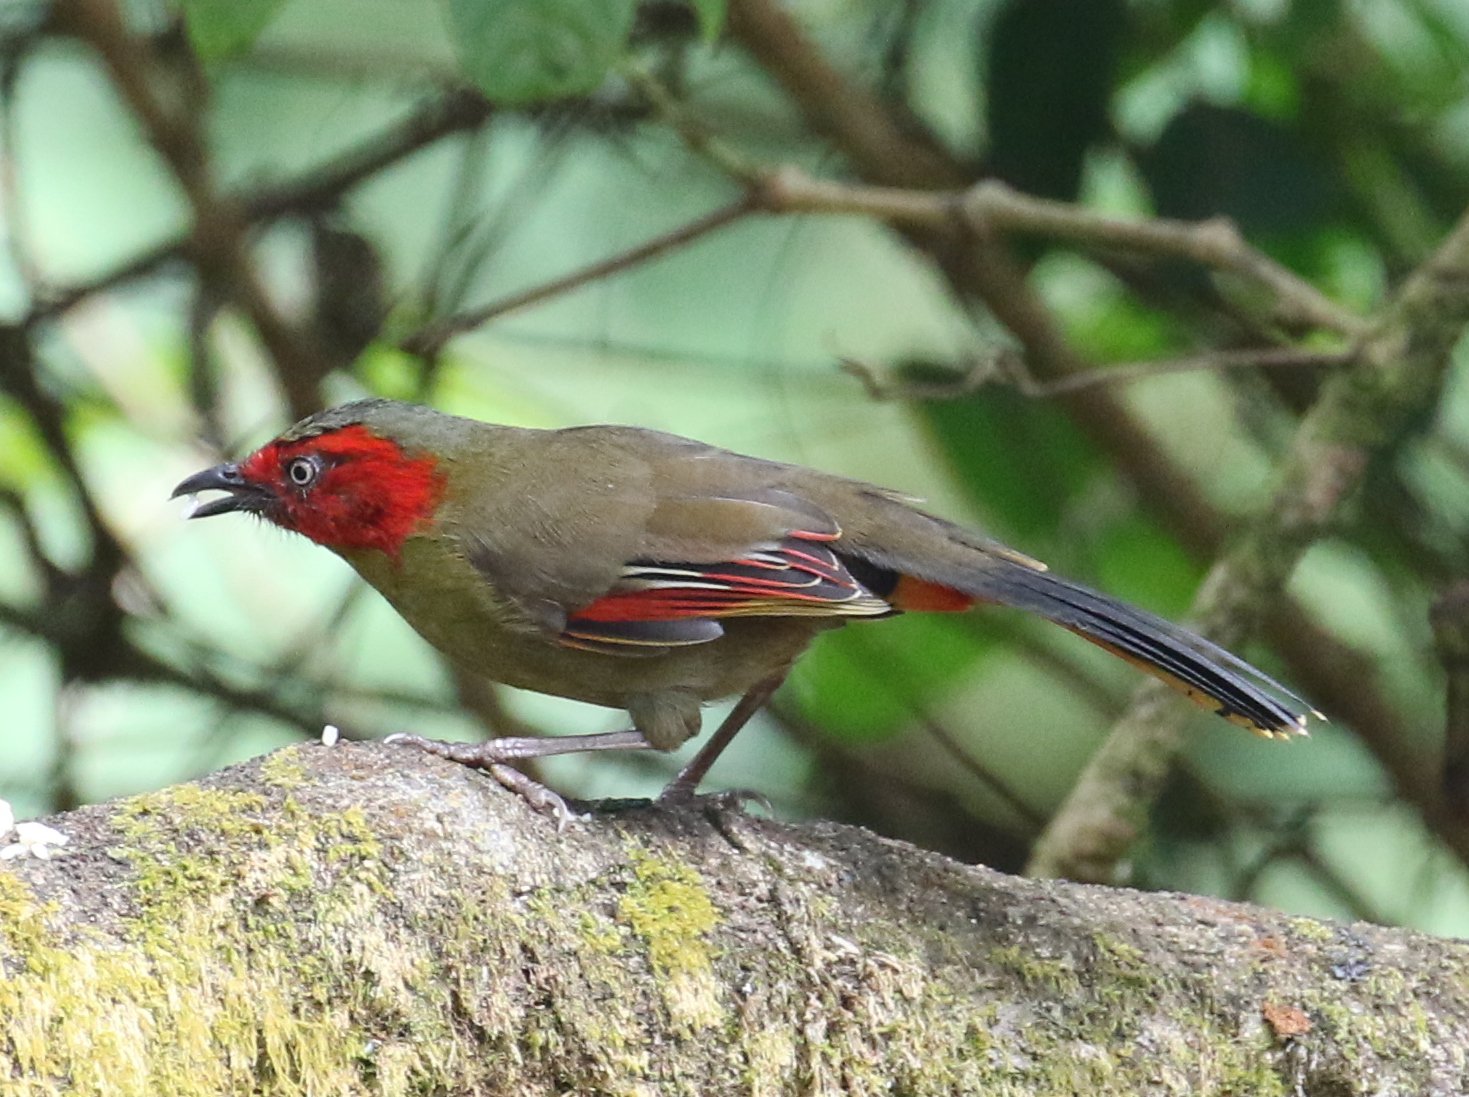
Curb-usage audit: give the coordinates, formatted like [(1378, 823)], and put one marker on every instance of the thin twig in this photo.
[(1397, 376), (697, 137), (1215, 243), (1006, 367), (1212, 362), (989, 207), (983, 774), (862, 787), (429, 339), (446, 115)]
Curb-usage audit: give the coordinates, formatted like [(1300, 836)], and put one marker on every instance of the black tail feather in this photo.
[(1197, 667)]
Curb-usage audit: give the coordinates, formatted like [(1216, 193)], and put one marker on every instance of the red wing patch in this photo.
[(673, 604)]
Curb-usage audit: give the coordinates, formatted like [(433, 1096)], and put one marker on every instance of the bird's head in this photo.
[(339, 477)]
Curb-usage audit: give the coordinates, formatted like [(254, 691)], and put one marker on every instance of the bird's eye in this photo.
[(302, 471)]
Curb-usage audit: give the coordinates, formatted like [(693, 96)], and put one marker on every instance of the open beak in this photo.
[(241, 494)]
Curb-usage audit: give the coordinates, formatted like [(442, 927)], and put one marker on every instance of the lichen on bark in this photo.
[(365, 920)]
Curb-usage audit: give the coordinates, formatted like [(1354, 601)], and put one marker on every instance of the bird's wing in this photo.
[(633, 542), (763, 553)]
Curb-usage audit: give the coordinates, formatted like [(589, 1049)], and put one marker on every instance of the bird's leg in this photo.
[(515, 748), (683, 787), (493, 754)]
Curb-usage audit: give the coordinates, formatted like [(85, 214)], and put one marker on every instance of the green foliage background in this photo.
[(1335, 135)]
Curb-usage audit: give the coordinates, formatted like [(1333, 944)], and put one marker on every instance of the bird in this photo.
[(645, 571)]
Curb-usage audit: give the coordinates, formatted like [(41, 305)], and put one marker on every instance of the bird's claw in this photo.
[(486, 756), (677, 794), (721, 809), (538, 796)]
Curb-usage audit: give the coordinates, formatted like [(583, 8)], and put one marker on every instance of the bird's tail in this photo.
[(1201, 670)]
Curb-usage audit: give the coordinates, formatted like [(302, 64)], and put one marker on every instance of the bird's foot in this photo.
[(492, 756), (681, 794), (723, 810)]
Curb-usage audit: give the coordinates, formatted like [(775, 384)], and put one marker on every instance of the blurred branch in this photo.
[(447, 114), (79, 616), (428, 341), (860, 785), (982, 272), (1450, 617), (1006, 367), (1398, 375), (485, 700), (976, 769), (18, 377), (989, 207), (166, 100), (790, 191), (1215, 244), (856, 121), (82, 613), (135, 664), (1293, 842)]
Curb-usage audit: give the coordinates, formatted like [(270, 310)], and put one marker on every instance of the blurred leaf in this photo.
[(1019, 458), (351, 299), (1050, 70), (711, 16), (871, 679), (520, 51), (1220, 161), (223, 28), (390, 372), (1274, 85), (1139, 562), (23, 457)]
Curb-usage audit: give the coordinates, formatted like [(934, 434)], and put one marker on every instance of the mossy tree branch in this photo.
[(368, 920)]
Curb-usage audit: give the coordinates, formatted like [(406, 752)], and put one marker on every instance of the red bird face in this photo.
[(346, 488)]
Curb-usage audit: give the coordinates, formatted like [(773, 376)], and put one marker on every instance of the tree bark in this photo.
[(364, 919)]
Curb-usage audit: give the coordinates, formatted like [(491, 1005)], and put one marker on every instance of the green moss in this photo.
[(302, 987), (67, 994), (157, 831), (771, 1053), (599, 933), (1123, 965), (667, 906), (270, 995), (22, 921), (1312, 930), (284, 769), (1055, 978)]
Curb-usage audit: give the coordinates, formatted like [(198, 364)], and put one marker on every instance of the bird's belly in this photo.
[(750, 650), (487, 637)]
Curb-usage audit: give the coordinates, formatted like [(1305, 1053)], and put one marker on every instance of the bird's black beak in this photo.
[(242, 495)]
